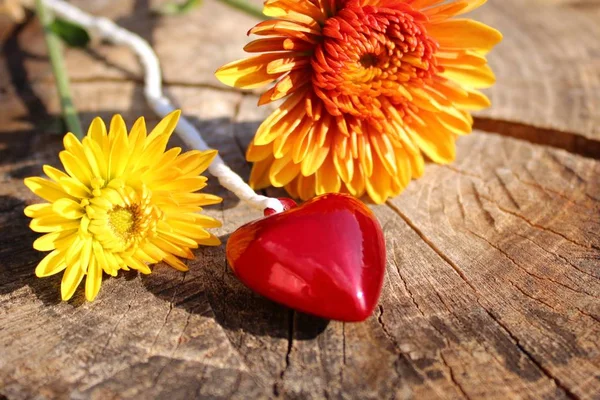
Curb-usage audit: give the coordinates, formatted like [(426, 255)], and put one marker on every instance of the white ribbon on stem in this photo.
[(161, 105)]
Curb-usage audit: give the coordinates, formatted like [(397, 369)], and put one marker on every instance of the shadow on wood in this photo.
[(233, 305), (18, 259)]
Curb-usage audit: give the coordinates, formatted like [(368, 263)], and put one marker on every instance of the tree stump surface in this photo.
[(492, 285)]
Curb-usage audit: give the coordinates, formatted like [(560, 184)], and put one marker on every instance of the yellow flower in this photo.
[(123, 203), (370, 86)]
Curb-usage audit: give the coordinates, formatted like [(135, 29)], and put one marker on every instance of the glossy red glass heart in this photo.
[(325, 257)]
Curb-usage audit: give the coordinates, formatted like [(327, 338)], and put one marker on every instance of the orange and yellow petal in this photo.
[(369, 87)]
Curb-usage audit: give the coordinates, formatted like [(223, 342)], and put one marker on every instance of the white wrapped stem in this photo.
[(108, 30)]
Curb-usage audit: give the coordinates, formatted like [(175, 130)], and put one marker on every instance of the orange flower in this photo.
[(370, 86)]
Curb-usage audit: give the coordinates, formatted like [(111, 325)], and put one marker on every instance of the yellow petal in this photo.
[(38, 210), (115, 263), (344, 167), (327, 178), (188, 229), (194, 162), (55, 240), (477, 78), (74, 188), (356, 187), (86, 254), (73, 253), (282, 171), (185, 185), (97, 133), (96, 157), (70, 280), (153, 151), (47, 190), (52, 223), (178, 239), (464, 34), (119, 148), (67, 208), (200, 219), (53, 173), (306, 186), (437, 144), (93, 280), (52, 264), (142, 256), (259, 176), (474, 101), (249, 73), (137, 265), (74, 146), (175, 263), (258, 153), (315, 158), (211, 241), (379, 187), (166, 126), (171, 248)]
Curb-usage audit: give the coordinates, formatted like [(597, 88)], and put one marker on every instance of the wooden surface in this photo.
[(493, 278)]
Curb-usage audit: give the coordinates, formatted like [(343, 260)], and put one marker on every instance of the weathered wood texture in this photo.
[(547, 70), (493, 278)]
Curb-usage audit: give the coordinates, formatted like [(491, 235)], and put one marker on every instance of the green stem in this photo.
[(246, 7), (60, 72)]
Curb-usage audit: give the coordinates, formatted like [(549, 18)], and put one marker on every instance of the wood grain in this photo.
[(493, 274), (548, 73)]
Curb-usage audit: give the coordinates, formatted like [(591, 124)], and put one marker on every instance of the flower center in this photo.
[(121, 217), (368, 60), (368, 52), (123, 221)]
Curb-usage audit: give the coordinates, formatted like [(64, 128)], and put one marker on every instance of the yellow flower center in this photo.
[(121, 217), (123, 221)]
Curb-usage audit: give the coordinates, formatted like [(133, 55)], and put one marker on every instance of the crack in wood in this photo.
[(447, 343), (568, 169), (171, 304), (488, 215), (538, 364), (556, 161), (177, 343), (460, 171), (554, 192), (516, 264), (385, 331), (112, 333), (453, 377), (570, 141), (430, 243), (506, 191), (463, 214), (557, 255), (410, 294), (458, 270), (343, 348), (540, 227), (277, 391)]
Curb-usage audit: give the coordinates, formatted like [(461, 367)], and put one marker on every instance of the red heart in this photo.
[(325, 257)]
